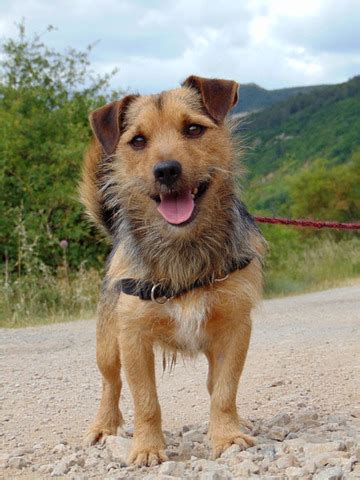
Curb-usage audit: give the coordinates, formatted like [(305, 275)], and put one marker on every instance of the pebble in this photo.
[(294, 472), (231, 452), (334, 473), (246, 468), (17, 462), (280, 419), (60, 448), (218, 475), (118, 448), (327, 448), (315, 448), (4, 457), (193, 436), (355, 412), (278, 433), (60, 468), (287, 461), (175, 469)]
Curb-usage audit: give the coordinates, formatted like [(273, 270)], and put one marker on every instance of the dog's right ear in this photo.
[(106, 123)]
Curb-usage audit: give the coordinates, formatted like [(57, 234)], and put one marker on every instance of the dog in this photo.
[(185, 268)]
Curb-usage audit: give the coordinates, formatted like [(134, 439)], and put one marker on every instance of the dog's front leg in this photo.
[(138, 360), (226, 357)]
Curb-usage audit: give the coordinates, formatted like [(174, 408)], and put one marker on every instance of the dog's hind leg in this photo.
[(109, 417), (226, 356)]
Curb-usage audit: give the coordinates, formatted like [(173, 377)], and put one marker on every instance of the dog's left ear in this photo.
[(218, 96)]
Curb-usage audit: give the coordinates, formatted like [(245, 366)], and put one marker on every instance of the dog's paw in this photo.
[(147, 457), (98, 434), (219, 445)]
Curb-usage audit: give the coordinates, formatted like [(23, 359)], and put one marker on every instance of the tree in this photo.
[(325, 192), (45, 98)]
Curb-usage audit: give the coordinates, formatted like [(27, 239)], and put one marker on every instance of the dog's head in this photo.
[(171, 154)]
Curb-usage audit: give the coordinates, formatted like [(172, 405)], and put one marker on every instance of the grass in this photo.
[(293, 266), (32, 299), (321, 264)]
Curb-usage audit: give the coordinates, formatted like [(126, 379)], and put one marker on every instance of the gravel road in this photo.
[(300, 389)]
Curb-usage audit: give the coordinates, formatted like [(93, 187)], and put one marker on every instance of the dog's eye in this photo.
[(138, 142), (194, 130)]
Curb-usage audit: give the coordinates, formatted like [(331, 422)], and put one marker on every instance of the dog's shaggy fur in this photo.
[(121, 193)]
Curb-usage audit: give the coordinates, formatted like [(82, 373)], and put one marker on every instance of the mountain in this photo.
[(253, 97), (317, 131)]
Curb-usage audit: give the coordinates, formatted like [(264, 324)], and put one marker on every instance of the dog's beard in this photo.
[(182, 255)]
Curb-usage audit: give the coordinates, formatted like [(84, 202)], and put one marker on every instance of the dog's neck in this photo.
[(182, 260)]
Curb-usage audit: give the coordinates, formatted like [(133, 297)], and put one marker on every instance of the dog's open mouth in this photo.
[(178, 208)]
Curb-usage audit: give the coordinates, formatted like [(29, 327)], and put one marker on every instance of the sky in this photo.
[(156, 44)]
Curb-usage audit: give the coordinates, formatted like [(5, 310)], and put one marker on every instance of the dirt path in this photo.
[(304, 356)]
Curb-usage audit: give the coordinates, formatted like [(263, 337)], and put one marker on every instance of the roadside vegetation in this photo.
[(51, 257)]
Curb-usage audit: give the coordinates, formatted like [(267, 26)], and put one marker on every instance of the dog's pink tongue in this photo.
[(176, 208)]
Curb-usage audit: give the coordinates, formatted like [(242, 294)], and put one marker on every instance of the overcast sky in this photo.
[(157, 43)]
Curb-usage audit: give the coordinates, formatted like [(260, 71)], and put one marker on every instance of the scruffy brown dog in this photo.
[(185, 268)]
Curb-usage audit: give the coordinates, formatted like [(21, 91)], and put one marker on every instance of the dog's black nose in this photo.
[(167, 172)]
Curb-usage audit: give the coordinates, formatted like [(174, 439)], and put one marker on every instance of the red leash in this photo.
[(309, 223)]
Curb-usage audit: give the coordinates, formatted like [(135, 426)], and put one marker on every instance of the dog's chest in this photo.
[(189, 315)]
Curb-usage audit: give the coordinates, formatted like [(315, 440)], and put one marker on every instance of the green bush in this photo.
[(45, 98)]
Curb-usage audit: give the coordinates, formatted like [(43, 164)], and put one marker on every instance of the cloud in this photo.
[(155, 44)]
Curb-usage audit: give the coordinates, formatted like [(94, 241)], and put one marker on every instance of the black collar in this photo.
[(161, 293)]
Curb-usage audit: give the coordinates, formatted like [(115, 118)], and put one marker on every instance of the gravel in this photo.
[(299, 393)]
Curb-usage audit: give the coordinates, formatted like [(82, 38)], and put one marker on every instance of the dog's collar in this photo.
[(161, 293)]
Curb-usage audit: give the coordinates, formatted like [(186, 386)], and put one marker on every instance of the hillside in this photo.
[(253, 97), (316, 130)]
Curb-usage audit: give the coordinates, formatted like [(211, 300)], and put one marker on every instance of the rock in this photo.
[(38, 446), (46, 468), (186, 449), (204, 428), (202, 465), (357, 454), (193, 436), (63, 466), (278, 433), (356, 471), (170, 453), (118, 449), (217, 475), (312, 449), (334, 473), (113, 466), (60, 448), (174, 469), (4, 457), (268, 451), (277, 383), (308, 418), (294, 472), (60, 468), (281, 419), (330, 458), (21, 451), (287, 461), (231, 451), (246, 468), (17, 462), (91, 462), (355, 412), (75, 459)]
